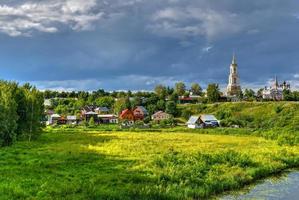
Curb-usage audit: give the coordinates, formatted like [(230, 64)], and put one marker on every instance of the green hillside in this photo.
[(272, 120), (263, 115)]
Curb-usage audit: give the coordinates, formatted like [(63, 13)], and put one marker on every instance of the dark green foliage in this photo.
[(196, 89), (106, 101), (21, 112), (8, 114), (171, 108), (121, 104), (186, 114), (180, 88), (161, 91), (213, 93)]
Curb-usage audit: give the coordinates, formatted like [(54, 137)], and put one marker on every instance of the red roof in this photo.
[(186, 98)]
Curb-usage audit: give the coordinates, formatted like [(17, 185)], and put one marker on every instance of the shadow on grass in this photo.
[(65, 171)]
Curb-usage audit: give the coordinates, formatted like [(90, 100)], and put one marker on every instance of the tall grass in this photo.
[(94, 164)]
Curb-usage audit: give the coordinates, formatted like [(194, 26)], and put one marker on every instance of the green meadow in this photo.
[(95, 164)]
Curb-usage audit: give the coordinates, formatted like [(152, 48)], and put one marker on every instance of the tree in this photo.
[(8, 115), (287, 95), (121, 104), (151, 108), (106, 101), (161, 105), (249, 94), (137, 101), (213, 92), (21, 112), (174, 97), (161, 91), (240, 95), (171, 108), (196, 89), (180, 88)]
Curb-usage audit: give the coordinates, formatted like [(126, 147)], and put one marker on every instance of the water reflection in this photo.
[(282, 188)]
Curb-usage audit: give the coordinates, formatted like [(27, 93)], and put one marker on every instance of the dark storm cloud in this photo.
[(135, 44)]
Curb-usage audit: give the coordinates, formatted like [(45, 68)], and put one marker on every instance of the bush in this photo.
[(91, 123)]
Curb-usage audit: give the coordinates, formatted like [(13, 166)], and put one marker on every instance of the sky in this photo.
[(137, 44)]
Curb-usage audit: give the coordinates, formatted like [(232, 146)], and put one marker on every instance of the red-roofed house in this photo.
[(140, 113), (127, 114)]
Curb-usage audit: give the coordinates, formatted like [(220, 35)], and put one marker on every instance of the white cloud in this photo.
[(22, 20), (68, 85), (207, 49)]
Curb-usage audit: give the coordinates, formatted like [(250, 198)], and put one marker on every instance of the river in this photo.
[(285, 187)]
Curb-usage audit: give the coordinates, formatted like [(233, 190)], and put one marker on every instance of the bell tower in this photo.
[(233, 87)]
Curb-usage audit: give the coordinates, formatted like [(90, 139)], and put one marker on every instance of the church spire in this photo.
[(233, 87), (234, 59), (276, 82)]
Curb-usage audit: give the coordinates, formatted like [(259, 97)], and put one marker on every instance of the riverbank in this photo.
[(282, 187), (145, 165)]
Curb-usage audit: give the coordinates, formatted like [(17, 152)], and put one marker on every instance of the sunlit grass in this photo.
[(140, 165)]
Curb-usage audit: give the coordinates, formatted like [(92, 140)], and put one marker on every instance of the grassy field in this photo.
[(137, 165)]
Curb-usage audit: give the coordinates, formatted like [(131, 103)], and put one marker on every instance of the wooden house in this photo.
[(160, 115), (108, 119), (140, 113), (127, 114)]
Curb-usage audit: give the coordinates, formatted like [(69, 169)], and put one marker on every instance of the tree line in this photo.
[(161, 98), (21, 112)]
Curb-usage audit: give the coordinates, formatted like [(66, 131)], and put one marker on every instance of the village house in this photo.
[(140, 113), (127, 115), (53, 119), (102, 110), (108, 119), (87, 109), (192, 98), (160, 115), (71, 119), (202, 121), (87, 116)]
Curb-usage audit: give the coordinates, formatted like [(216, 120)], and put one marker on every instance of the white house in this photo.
[(53, 119), (194, 122), (71, 119), (202, 121)]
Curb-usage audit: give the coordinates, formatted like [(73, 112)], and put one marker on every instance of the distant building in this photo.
[(275, 92), (71, 119), (108, 119), (87, 109), (47, 103), (233, 87), (87, 116), (127, 114), (140, 113), (102, 110), (160, 115), (202, 121)]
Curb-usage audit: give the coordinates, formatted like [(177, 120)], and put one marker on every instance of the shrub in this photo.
[(91, 122)]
